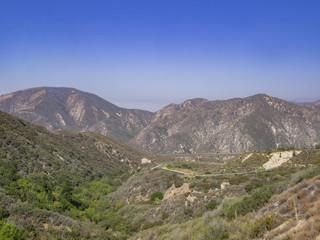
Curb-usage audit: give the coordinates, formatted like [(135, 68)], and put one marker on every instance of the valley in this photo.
[(62, 184), (159, 120)]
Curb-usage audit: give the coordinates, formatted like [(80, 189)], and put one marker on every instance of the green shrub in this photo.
[(218, 230), (164, 215), (250, 203), (188, 211), (260, 225), (176, 180), (252, 186), (156, 195), (9, 231), (212, 205)]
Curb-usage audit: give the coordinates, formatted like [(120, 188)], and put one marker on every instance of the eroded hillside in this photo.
[(71, 109), (258, 122)]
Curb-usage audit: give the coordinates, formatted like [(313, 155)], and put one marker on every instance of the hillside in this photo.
[(258, 122), (67, 185), (53, 184), (71, 109)]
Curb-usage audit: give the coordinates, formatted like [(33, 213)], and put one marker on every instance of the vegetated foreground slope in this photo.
[(258, 122), (239, 202), (54, 184), (71, 109), (63, 185)]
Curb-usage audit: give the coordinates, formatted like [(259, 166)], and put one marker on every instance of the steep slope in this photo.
[(53, 185), (271, 210), (236, 125), (34, 149), (71, 109)]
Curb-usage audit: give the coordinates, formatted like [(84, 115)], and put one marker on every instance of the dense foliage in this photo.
[(64, 173)]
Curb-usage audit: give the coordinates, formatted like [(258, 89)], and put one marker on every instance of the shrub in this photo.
[(156, 195), (176, 180), (252, 186), (261, 225), (218, 230), (164, 215), (10, 231), (188, 211), (250, 203), (212, 205)]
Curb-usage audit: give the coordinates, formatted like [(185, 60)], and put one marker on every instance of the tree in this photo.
[(9, 231)]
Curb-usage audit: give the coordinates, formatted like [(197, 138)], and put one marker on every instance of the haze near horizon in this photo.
[(147, 54)]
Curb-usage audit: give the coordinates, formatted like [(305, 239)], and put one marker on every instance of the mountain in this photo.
[(257, 122), (71, 109), (236, 125)]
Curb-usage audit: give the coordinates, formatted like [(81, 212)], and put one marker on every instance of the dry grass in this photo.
[(306, 196)]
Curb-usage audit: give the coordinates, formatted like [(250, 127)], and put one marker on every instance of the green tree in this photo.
[(9, 231)]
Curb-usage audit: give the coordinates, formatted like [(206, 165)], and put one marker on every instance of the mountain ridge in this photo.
[(235, 125), (198, 125)]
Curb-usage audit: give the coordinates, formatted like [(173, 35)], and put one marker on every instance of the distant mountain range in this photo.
[(196, 126)]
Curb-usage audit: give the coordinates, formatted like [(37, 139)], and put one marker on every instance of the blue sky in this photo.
[(147, 54)]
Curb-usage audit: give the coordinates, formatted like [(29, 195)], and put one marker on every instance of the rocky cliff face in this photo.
[(66, 108), (237, 125)]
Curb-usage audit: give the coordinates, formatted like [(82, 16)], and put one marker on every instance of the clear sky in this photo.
[(147, 54)]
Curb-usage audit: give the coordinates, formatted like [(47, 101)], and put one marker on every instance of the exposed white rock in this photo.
[(224, 185), (105, 113), (60, 118), (279, 158), (145, 160), (191, 198), (247, 157), (172, 191)]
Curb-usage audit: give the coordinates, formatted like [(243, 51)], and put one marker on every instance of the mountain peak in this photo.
[(72, 109)]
